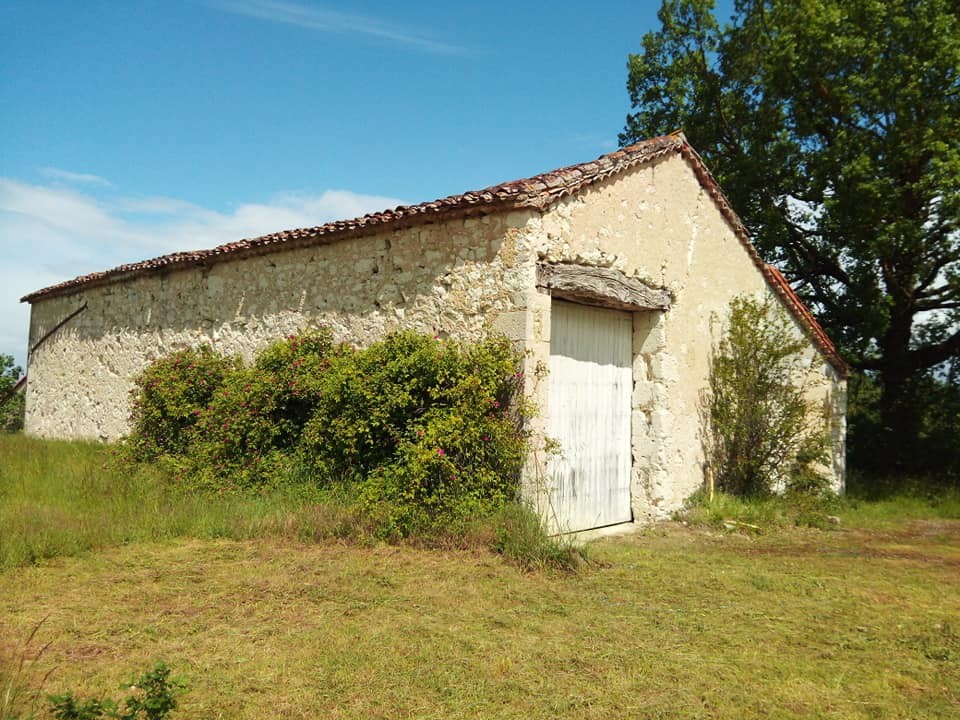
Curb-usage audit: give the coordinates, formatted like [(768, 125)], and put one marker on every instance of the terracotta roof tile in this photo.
[(815, 331), (536, 192)]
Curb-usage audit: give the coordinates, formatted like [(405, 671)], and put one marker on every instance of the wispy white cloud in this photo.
[(50, 233), (73, 177), (333, 21)]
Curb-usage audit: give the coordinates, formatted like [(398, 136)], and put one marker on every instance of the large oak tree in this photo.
[(834, 127)]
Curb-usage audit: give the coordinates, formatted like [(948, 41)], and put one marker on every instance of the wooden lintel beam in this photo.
[(604, 287)]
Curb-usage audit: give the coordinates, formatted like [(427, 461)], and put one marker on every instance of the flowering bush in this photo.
[(426, 431), (250, 428), (169, 397), (431, 428)]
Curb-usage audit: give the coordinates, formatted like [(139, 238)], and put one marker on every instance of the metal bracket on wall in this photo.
[(56, 327)]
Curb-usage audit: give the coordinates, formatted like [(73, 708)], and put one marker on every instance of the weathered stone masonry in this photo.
[(456, 278), (462, 266)]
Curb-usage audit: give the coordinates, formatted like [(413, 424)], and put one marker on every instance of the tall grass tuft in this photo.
[(519, 535), (20, 680)]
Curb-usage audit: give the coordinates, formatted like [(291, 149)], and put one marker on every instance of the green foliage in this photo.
[(169, 397), (425, 431), (154, 698), (9, 373), (430, 426), (929, 457), (66, 707), (760, 430), (11, 413), (11, 404), (246, 434), (374, 398), (834, 127)]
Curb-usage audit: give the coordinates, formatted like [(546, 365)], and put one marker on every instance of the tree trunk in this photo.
[(900, 413)]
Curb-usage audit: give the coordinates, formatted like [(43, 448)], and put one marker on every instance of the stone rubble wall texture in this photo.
[(459, 277)]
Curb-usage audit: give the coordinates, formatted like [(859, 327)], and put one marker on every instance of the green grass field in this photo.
[(670, 622), (63, 498)]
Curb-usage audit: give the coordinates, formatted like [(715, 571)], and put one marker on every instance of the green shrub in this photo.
[(168, 399), (424, 431), (12, 413), (296, 366), (247, 433), (374, 399), (761, 430), (154, 697), (433, 430)]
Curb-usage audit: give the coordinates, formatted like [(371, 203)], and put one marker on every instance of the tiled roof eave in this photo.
[(276, 242), (799, 310)]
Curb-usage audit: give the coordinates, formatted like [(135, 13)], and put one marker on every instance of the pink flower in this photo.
[(440, 452), (486, 438), (496, 403)]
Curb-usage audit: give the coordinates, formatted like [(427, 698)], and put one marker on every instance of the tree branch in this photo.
[(927, 307), (927, 357)]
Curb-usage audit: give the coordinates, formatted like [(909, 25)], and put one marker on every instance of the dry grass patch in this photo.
[(673, 623)]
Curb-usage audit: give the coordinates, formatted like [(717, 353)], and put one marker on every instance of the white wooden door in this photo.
[(590, 387)]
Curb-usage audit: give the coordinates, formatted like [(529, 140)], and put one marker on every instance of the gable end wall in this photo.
[(659, 225)]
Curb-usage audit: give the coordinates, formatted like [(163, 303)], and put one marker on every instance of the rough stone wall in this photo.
[(455, 278), (659, 225)]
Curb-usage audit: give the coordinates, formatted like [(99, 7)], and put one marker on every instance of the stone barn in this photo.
[(611, 275)]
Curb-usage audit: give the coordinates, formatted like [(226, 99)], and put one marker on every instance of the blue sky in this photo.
[(132, 129)]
